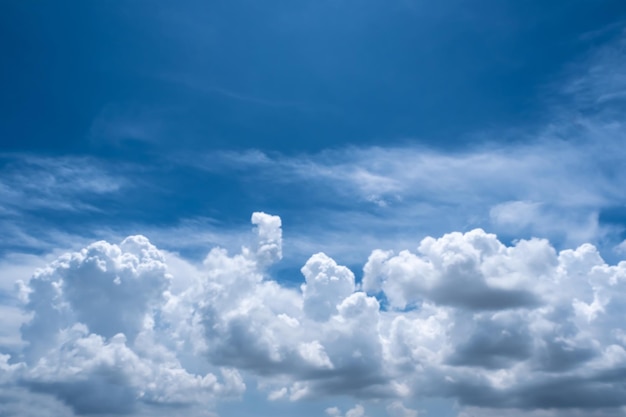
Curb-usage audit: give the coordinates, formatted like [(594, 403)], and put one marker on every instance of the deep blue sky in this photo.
[(91, 77)]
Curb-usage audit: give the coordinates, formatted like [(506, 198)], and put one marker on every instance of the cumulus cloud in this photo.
[(93, 337), (472, 270), (126, 328), (269, 230), (327, 284)]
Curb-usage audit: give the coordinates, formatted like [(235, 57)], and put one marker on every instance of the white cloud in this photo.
[(109, 288), (327, 284), (472, 270), (116, 329), (96, 341), (54, 183), (270, 246)]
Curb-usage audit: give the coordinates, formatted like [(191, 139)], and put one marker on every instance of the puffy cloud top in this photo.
[(327, 284), (270, 246), (91, 339), (472, 270)]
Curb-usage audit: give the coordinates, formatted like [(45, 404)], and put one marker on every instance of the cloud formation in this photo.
[(64, 184), (119, 329), (93, 338)]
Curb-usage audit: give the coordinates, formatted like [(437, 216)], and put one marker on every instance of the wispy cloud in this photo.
[(562, 176), (34, 190), (117, 123), (566, 182), (33, 182), (600, 81)]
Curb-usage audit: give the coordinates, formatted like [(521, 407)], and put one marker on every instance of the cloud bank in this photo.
[(127, 329)]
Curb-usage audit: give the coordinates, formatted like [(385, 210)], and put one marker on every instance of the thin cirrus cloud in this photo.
[(556, 181), (36, 189), (118, 329), (33, 182), (551, 187)]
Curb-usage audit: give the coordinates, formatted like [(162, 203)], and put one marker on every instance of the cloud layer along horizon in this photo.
[(117, 329)]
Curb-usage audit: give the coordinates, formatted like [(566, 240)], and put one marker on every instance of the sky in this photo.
[(322, 208)]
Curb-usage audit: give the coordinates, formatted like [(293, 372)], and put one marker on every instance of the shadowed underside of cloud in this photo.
[(121, 329)]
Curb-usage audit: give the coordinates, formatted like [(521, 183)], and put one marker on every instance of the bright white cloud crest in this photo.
[(116, 328)]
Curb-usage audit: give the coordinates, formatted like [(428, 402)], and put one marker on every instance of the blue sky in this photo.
[(459, 165)]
